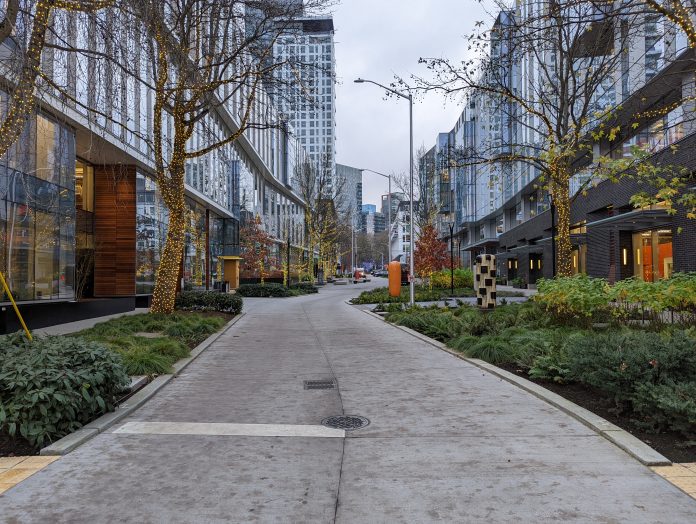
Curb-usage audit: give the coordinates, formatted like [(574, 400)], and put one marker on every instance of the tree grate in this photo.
[(320, 384), (345, 422)]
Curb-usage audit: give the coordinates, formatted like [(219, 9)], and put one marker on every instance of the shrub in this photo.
[(551, 365), (617, 362), (194, 329), (462, 278), (495, 350), (574, 300), (306, 288), (209, 301), (439, 324), (669, 406), (144, 361), (53, 386), (266, 291), (463, 343)]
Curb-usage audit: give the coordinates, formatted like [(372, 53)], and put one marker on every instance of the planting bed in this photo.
[(671, 444)]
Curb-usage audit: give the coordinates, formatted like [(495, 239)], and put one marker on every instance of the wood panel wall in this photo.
[(114, 224)]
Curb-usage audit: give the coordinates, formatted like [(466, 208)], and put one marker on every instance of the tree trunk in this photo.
[(560, 192), (167, 278)]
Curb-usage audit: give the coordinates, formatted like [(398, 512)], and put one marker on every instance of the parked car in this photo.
[(359, 275)]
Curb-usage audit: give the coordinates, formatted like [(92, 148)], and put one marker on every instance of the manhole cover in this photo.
[(320, 384), (347, 422)]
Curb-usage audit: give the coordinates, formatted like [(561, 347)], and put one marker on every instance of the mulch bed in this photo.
[(10, 447), (670, 444)]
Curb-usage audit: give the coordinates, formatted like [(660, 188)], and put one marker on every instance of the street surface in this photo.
[(237, 438)]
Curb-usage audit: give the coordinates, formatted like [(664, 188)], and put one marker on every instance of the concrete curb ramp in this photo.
[(82, 435), (620, 437)]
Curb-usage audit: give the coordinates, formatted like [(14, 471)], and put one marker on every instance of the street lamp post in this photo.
[(451, 228), (408, 97), (389, 204)]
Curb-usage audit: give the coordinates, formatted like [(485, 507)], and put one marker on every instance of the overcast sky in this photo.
[(376, 39)]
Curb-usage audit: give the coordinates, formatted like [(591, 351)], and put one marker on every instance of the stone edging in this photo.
[(620, 437), (82, 435)]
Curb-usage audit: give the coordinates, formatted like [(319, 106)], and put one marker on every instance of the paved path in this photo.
[(446, 441)]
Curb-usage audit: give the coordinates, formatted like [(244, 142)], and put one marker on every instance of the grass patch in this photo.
[(175, 335)]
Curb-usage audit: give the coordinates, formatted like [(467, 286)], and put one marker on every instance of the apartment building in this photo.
[(501, 207), (309, 101), (82, 222)]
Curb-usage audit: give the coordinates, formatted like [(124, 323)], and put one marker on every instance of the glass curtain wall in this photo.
[(37, 211)]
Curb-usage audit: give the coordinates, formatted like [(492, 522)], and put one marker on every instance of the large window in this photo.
[(37, 212), (652, 255), (151, 231)]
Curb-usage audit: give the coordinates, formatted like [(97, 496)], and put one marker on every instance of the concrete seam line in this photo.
[(69, 442), (200, 348), (614, 434)]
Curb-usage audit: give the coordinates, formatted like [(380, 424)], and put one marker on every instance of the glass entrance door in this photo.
[(652, 254)]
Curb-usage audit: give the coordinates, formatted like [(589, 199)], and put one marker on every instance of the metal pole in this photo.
[(389, 203), (553, 238), (451, 228), (288, 277), (412, 290), (352, 246)]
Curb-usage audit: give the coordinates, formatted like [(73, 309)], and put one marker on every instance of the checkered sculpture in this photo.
[(484, 281)]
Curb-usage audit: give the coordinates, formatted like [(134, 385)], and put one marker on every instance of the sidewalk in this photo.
[(237, 438)]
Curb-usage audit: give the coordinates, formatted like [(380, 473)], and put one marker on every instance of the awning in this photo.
[(229, 257), (486, 242), (529, 248), (638, 220)]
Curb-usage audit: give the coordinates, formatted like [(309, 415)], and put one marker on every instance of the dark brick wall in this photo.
[(605, 248), (684, 242)]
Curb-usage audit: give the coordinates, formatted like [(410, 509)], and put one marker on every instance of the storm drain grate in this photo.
[(320, 384), (346, 422)]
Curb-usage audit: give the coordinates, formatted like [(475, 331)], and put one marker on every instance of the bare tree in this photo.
[(23, 32), (546, 75), (204, 56), (326, 216)]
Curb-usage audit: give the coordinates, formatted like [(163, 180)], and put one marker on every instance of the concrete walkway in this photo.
[(446, 443)]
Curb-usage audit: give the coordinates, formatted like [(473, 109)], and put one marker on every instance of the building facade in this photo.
[(400, 233), (502, 207), (82, 221), (309, 96)]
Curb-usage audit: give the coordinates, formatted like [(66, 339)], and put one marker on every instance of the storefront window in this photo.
[(151, 232), (653, 255)]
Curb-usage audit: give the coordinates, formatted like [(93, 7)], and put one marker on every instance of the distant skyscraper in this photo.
[(369, 209), (308, 81), (349, 180)]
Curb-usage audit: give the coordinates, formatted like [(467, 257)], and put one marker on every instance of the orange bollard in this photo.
[(394, 279)]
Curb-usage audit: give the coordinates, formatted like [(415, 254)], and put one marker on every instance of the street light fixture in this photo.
[(408, 97), (389, 204)]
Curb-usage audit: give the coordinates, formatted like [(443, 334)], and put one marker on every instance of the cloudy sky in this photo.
[(377, 39)]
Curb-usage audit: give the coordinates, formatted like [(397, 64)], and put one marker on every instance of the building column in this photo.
[(114, 227)]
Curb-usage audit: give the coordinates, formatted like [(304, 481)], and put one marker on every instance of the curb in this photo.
[(613, 433), (87, 432)]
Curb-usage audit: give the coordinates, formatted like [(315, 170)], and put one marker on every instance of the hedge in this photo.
[(209, 301)]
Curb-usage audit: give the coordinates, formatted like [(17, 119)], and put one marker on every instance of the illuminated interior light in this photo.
[(625, 256)]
